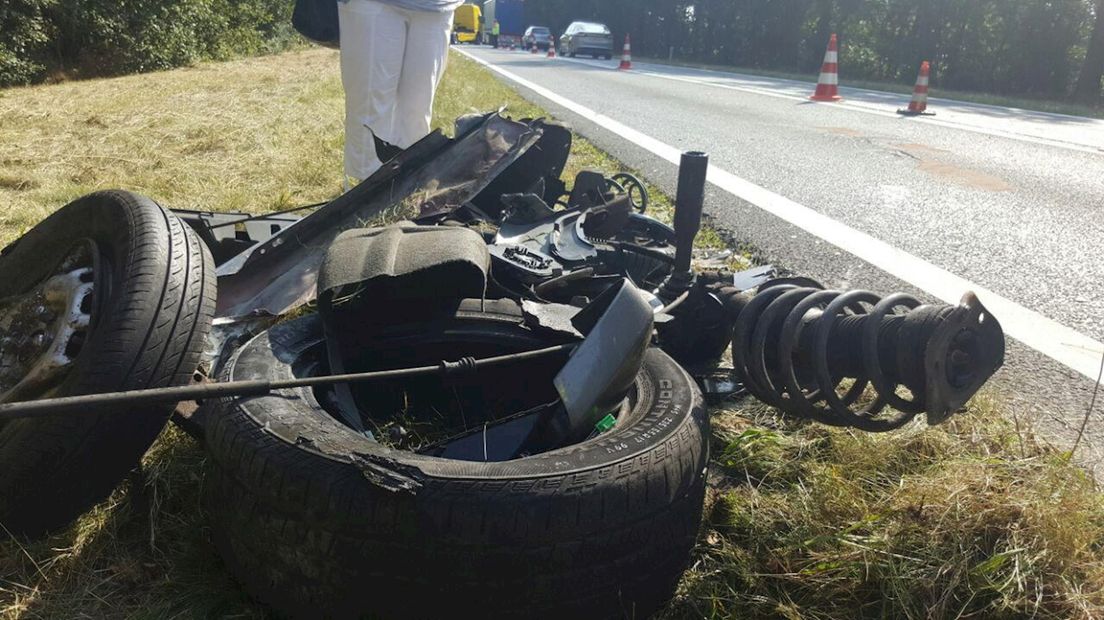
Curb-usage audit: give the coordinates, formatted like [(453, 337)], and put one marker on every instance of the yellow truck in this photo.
[(467, 24)]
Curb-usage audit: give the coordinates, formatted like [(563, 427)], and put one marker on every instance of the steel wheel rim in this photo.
[(44, 330)]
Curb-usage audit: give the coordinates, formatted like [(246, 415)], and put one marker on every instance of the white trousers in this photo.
[(392, 60)]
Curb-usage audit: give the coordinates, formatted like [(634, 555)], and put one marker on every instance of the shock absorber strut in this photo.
[(689, 204), (794, 347)]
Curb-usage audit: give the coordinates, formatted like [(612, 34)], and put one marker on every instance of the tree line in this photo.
[(1044, 48), (85, 38)]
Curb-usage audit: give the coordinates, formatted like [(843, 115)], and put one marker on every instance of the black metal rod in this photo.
[(689, 202), (261, 216), (71, 404)]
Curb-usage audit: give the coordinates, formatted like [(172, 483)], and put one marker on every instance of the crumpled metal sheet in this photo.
[(551, 317), (435, 176)]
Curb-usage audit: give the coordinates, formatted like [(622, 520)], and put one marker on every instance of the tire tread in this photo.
[(56, 468)]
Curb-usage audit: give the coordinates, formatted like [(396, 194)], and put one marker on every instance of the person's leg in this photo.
[(373, 39), (424, 64)]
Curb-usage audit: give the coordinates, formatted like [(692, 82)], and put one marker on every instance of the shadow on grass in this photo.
[(144, 553)]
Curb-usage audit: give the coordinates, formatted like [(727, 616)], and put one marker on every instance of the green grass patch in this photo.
[(974, 518), (971, 519)]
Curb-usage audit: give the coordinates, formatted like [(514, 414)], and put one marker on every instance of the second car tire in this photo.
[(318, 521)]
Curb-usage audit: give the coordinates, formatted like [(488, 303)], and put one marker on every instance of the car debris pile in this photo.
[(493, 405)]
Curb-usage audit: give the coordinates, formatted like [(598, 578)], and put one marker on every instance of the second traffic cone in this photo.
[(552, 47), (919, 103), (828, 85), (626, 56)]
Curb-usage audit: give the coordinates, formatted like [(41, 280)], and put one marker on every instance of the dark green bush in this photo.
[(1033, 47), (85, 38), (24, 33)]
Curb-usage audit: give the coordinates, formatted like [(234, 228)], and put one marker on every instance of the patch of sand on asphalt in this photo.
[(928, 161), (843, 131)]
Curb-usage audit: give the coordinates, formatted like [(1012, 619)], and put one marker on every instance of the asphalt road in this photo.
[(1002, 201)]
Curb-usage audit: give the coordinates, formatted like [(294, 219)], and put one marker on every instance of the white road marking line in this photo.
[(868, 108), (1058, 342), (855, 89)]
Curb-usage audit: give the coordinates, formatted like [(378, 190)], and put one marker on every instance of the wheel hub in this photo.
[(43, 330)]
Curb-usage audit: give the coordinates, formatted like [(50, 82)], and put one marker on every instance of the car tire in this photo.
[(316, 520), (148, 331)]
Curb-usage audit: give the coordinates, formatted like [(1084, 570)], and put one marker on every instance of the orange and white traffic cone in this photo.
[(626, 56), (828, 85), (919, 104), (534, 50), (552, 47)]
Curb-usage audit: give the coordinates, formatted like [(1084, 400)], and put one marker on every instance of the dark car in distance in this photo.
[(539, 36), (587, 38)]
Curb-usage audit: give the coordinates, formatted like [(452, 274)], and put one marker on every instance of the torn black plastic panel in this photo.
[(436, 175)]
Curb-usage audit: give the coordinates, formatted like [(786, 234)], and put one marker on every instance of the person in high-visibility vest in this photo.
[(393, 54), (495, 31)]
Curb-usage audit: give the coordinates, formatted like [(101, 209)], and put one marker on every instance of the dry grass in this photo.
[(142, 554), (970, 519), (252, 134)]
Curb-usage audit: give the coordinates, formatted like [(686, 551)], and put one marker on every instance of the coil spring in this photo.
[(783, 314)]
